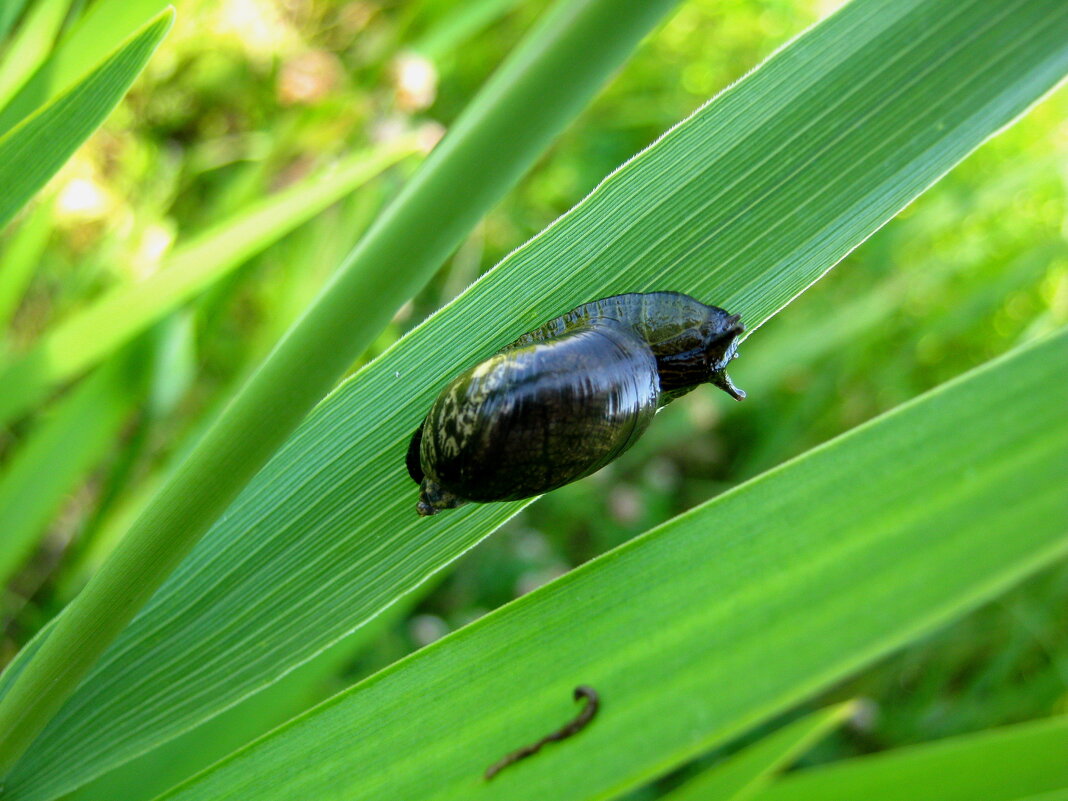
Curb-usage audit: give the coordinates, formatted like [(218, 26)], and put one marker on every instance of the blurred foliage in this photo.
[(246, 96)]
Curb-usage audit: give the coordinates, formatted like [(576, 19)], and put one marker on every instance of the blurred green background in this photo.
[(247, 96)]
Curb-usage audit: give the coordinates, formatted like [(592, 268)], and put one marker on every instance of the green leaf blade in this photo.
[(326, 536), (33, 151), (56, 455), (19, 257), (30, 47), (9, 12), (101, 30), (741, 775), (720, 619), (568, 55), (1007, 764)]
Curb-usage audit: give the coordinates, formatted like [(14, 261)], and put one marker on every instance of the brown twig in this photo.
[(571, 729)]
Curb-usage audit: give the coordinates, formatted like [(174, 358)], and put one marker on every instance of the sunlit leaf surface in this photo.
[(743, 205)]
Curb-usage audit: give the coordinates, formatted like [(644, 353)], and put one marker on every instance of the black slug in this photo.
[(565, 399)]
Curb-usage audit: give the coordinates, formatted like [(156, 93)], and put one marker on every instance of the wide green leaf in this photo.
[(713, 622), (36, 148), (113, 319), (1008, 764), (150, 774), (529, 99), (744, 204), (743, 774)]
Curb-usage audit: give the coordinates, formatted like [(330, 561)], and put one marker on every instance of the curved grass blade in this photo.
[(20, 255), (101, 30), (57, 454), (741, 775), (9, 12), (1007, 764), (744, 204), (30, 45), (714, 622), (34, 150)]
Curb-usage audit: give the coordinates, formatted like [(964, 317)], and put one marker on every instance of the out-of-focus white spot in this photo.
[(152, 246), (309, 77), (533, 579), (416, 81), (257, 26), (428, 135), (424, 629), (82, 199)]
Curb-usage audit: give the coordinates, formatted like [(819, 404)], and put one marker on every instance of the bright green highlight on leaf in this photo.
[(1008, 764), (93, 333), (743, 774), (34, 150), (743, 205), (713, 622), (19, 257)]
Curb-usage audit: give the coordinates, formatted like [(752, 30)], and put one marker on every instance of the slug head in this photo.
[(700, 355)]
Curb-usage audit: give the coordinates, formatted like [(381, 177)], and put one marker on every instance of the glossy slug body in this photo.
[(565, 399)]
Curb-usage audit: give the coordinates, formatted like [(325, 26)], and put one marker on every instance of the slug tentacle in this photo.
[(563, 400)]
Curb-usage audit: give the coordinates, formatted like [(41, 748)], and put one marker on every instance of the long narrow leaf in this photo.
[(458, 25), (1006, 764), (744, 204), (30, 46), (19, 257), (56, 455), (744, 773), (566, 58), (96, 35), (9, 12), (93, 333), (33, 151), (713, 622)]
